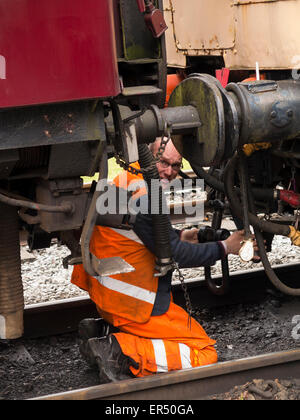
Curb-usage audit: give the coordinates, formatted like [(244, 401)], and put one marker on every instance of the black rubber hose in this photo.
[(161, 221), (213, 182), (243, 174), (236, 207), (264, 257)]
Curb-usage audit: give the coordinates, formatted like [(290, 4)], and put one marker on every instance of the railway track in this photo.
[(59, 317), (192, 384), (63, 316)]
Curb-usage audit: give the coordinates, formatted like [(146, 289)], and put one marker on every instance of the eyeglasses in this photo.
[(175, 166)]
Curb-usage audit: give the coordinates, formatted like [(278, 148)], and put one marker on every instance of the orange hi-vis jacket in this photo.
[(131, 295), (157, 343)]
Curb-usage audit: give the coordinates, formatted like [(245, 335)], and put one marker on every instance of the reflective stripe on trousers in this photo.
[(165, 342), (161, 356)]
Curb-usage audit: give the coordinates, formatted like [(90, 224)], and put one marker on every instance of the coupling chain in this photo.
[(187, 298), (166, 137)]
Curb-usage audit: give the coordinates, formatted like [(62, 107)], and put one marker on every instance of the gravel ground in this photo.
[(30, 368)]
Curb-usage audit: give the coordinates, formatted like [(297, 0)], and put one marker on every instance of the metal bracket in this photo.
[(92, 265), (111, 266)]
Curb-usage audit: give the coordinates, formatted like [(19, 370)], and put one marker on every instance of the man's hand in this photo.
[(235, 242), (190, 235)]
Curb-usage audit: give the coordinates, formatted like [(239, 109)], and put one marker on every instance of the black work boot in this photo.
[(90, 328), (106, 353)]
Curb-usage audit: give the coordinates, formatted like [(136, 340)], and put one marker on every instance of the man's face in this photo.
[(170, 163)]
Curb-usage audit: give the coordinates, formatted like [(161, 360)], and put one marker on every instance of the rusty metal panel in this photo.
[(267, 32), (49, 124), (255, 1), (242, 31), (175, 57), (211, 27)]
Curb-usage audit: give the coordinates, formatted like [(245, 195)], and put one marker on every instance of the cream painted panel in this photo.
[(202, 24), (243, 31), (268, 33)]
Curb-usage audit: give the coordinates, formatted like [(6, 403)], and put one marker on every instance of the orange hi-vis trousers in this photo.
[(164, 343)]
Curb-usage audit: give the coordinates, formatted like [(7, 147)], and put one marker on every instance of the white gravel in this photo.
[(45, 279)]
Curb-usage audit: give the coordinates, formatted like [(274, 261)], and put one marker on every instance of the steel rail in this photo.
[(192, 384)]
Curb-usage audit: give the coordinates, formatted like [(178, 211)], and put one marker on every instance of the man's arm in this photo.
[(186, 254)]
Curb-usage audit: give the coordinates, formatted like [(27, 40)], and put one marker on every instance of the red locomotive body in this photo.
[(56, 51)]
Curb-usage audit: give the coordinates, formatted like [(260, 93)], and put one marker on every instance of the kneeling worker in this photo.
[(147, 332)]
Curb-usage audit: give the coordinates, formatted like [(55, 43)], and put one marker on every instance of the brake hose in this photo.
[(258, 226), (161, 222), (218, 185), (235, 203)]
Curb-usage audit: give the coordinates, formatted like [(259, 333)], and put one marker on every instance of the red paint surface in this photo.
[(223, 76), (290, 197), (56, 51)]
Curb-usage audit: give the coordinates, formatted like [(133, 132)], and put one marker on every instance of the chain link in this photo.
[(188, 303), (166, 137)]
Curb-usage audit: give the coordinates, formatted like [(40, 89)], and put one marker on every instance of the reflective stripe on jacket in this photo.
[(131, 295)]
